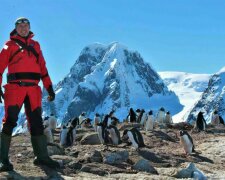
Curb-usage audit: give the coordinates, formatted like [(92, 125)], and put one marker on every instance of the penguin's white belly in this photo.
[(131, 138), (99, 130), (188, 146), (52, 123), (95, 127), (149, 124), (114, 138), (63, 136), (48, 134)]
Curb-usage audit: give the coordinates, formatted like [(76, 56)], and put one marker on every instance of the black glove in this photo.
[(1, 95), (51, 93)]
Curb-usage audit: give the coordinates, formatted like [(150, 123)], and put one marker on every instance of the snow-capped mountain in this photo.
[(188, 87), (111, 77), (212, 99)]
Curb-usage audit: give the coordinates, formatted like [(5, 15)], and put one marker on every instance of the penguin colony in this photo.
[(108, 133)]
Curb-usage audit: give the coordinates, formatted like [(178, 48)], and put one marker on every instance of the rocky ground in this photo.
[(162, 158)]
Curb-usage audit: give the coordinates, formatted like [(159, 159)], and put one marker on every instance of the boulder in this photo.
[(55, 149), (144, 165), (94, 156), (117, 157), (91, 139)]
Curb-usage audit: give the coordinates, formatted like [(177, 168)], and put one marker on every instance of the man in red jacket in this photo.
[(26, 67)]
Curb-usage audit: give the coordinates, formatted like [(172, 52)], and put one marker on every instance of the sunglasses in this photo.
[(23, 21)]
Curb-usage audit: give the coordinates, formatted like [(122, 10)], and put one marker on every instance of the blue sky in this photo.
[(172, 35)]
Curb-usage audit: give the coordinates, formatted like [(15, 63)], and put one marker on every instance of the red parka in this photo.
[(24, 60)]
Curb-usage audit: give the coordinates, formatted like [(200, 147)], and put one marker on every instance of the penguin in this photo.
[(115, 121), (97, 120), (82, 117), (52, 122), (149, 125), (143, 117), (63, 135), (135, 137), (48, 134), (47, 130), (160, 118), (45, 121), (200, 122), (86, 123), (103, 134), (221, 120), (168, 118), (187, 142), (131, 116), (71, 133), (114, 134), (100, 132), (138, 113)]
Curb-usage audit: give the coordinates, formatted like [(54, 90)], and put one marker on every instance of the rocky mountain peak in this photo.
[(110, 77)]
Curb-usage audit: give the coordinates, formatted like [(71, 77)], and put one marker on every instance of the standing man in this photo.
[(26, 67)]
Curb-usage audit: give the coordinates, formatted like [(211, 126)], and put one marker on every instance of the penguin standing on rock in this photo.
[(187, 142), (135, 137), (114, 134)]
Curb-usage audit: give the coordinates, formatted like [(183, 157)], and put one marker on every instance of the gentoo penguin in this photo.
[(221, 120), (187, 142), (86, 123), (47, 130), (168, 118), (149, 125), (160, 118), (103, 134), (138, 113), (200, 122), (111, 117), (100, 132), (82, 117), (97, 120), (48, 134), (63, 135), (215, 120), (71, 133), (114, 134), (131, 116), (134, 136), (52, 122), (143, 117), (115, 121)]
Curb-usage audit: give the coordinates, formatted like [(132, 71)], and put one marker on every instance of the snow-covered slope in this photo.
[(111, 77), (212, 99), (188, 87)]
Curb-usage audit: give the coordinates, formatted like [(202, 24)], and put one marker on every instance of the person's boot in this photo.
[(39, 144), (5, 165)]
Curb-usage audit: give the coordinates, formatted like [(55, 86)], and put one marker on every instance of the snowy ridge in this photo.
[(188, 87), (212, 99)]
